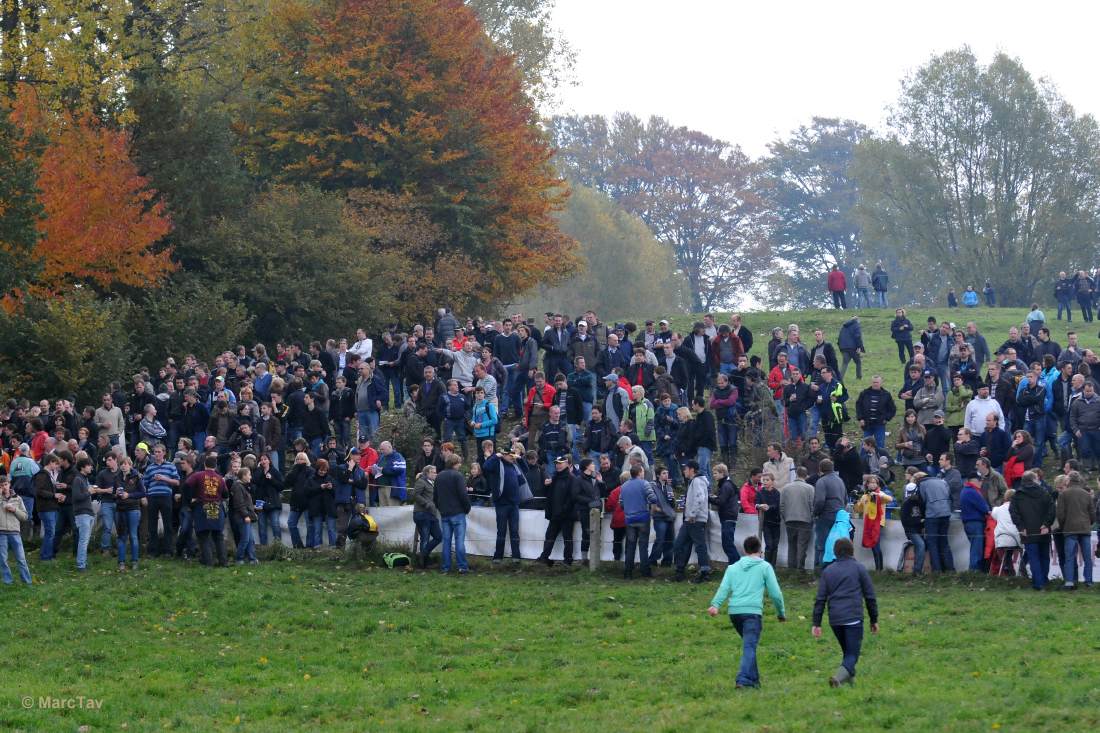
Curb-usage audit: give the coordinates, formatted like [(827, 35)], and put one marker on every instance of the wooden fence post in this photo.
[(595, 537)]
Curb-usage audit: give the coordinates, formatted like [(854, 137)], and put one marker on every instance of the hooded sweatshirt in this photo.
[(744, 584)]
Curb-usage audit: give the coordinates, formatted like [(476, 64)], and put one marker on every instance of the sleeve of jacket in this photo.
[(868, 593)]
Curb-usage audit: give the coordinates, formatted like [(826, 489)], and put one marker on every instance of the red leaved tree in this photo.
[(101, 222), (410, 97)]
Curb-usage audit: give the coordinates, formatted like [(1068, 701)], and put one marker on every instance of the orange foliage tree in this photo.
[(411, 97), (101, 222)]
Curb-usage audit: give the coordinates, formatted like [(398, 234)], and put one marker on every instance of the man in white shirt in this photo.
[(362, 346)]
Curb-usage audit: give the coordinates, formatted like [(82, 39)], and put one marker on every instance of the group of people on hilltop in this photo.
[(862, 284), (668, 406)]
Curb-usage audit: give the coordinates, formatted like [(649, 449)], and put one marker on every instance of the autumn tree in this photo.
[(698, 195), (985, 173), (19, 207), (524, 29), (100, 220), (409, 97), (624, 270)]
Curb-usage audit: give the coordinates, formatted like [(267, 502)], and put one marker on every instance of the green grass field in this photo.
[(312, 645)]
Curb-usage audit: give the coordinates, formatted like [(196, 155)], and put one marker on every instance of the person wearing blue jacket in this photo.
[(636, 496), (391, 470), (974, 509), (503, 477), (1035, 398), (743, 587), (484, 416), (845, 586), (970, 297)]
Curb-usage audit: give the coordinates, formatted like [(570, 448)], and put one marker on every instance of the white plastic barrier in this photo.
[(396, 528)]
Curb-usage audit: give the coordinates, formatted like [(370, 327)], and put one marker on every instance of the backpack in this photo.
[(396, 560)]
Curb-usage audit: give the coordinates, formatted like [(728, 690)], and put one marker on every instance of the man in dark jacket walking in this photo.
[(1033, 512), (850, 342), (845, 586), (561, 499)]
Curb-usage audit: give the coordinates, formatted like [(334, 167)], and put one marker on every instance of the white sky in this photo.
[(749, 72)]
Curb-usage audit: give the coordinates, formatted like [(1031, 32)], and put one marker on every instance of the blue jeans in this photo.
[(13, 543), (975, 532), (1073, 541), (292, 525), (504, 391), (1037, 428), (368, 422), (796, 426), (319, 525), (749, 626), (729, 543), (343, 430), (702, 456), (1037, 555), (455, 429), (107, 519), (49, 527), (918, 552), (430, 532), (1065, 304), (454, 527), (727, 438), (269, 521), (851, 640), (84, 524), (878, 432), (863, 295), (662, 541), (935, 536), (1089, 444), (394, 386), (881, 295), (517, 387), (507, 523), (246, 543), (133, 522)]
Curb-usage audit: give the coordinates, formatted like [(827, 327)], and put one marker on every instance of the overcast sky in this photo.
[(749, 72)]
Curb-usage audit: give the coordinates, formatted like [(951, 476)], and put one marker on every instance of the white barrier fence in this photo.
[(396, 528)]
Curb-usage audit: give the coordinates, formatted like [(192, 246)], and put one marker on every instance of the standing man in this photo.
[(863, 287), (636, 497), (160, 479), (561, 499), (875, 408), (743, 587), (453, 503), (1033, 512), (845, 586), (837, 284), (830, 496), (694, 529), (796, 508), (880, 281)]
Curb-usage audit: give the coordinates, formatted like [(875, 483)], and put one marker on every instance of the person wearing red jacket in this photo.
[(618, 521), (536, 408), (837, 285), (748, 492)]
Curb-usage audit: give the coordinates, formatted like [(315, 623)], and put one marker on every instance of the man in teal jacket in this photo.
[(743, 586)]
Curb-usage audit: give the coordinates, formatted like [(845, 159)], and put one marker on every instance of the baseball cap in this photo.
[(929, 373), (561, 459), (938, 413), (142, 446), (611, 377)]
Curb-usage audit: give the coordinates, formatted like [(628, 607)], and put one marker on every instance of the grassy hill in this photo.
[(882, 355), (309, 644)]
